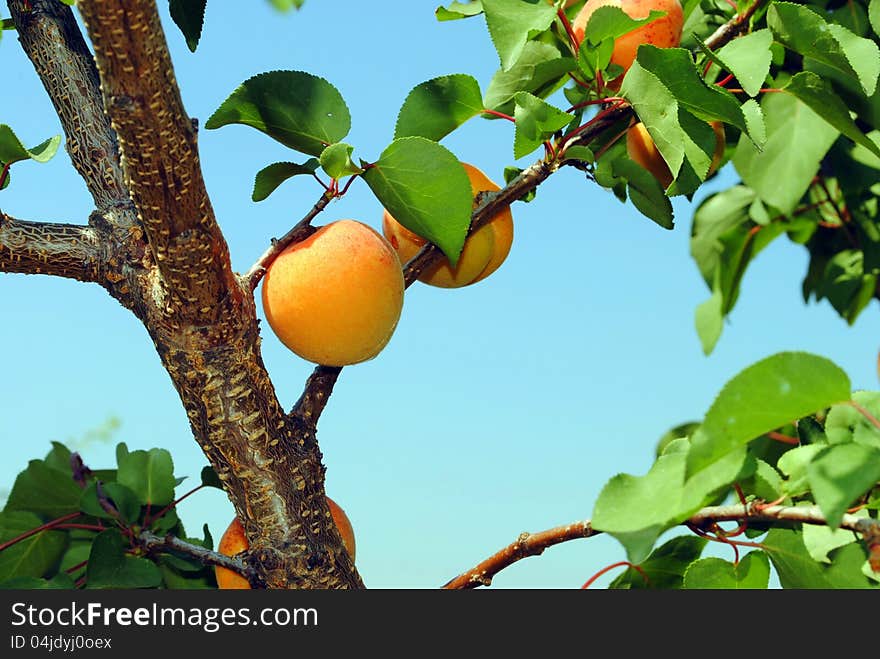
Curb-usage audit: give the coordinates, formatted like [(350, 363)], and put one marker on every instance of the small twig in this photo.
[(527, 544), (734, 27), (169, 543), (317, 391), (532, 544), (300, 231)]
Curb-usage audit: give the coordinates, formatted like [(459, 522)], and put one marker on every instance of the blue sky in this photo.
[(496, 408)]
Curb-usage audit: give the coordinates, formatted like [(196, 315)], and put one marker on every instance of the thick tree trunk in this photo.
[(154, 244)]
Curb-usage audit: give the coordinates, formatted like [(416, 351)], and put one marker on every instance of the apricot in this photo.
[(234, 542), (484, 250), (335, 298), (641, 149), (664, 32)]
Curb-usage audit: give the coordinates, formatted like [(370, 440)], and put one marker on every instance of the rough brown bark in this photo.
[(158, 250)]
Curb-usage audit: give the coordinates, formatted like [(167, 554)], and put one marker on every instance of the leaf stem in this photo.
[(44, 527), (496, 113), (608, 568)]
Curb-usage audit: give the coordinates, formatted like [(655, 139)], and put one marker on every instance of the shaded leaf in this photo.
[(665, 567), (270, 177), (110, 567), (149, 474), (645, 192), (44, 491), (839, 475), (536, 121), (189, 16), (459, 10), (32, 557), (336, 161), (752, 572)]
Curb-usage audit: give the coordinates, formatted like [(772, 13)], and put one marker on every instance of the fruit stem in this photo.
[(4, 173), (569, 30), (598, 574), (495, 113), (585, 104), (785, 439)]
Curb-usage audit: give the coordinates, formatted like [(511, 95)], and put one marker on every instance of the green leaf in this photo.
[(149, 474), (189, 16), (122, 498), (751, 573), (839, 475), (675, 69), (765, 483), (748, 58), (709, 321), (539, 70), (715, 217), (60, 581), (818, 96), (32, 557), (44, 491), (59, 457), (764, 396), (336, 161), (286, 5), (536, 121), (665, 567), (110, 567), (458, 10), (874, 15), (210, 479), (794, 464), (437, 107), (645, 192), (806, 32), (845, 423), (637, 510), (299, 110), (12, 150), (779, 173), (512, 23), (820, 540), (797, 569), (611, 22), (270, 177), (425, 188)]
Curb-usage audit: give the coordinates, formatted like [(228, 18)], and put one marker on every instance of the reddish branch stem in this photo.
[(45, 527)]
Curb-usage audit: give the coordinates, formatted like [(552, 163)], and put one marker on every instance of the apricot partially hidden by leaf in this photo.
[(484, 250), (335, 298), (641, 149), (663, 32), (234, 542)]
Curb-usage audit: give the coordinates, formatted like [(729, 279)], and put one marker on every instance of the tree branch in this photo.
[(169, 543), (527, 544), (43, 248), (533, 544), (51, 38), (735, 26), (161, 163)]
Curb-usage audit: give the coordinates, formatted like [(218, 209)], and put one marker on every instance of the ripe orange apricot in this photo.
[(484, 250), (234, 542), (641, 149), (335, 298), (664, 32)]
